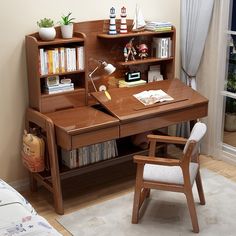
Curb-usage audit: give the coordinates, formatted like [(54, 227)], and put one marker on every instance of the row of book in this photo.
[(59, 88), (62, 59), (89, 154), (158, 26), (162, 47)]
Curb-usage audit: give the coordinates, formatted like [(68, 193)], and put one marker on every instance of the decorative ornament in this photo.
[(112, 26), (123, 25), (142, 49), (129, 51)]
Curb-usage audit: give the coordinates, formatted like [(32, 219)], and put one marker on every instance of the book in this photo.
[(123, 83), (153, 96)]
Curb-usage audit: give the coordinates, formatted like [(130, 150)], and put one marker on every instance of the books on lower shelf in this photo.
[(123, 83), (60, 60), (59, 88), (89, 154)]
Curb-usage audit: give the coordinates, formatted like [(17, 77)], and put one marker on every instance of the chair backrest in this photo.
[(197, 133)]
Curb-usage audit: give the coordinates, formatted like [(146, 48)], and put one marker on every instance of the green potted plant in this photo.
[(46, 29), (67, 26)]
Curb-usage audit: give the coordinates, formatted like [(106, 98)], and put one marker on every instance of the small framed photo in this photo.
[(154, 75), (52, 81)]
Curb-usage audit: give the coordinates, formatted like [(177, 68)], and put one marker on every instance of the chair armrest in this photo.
[(156, 160), (167, 139)]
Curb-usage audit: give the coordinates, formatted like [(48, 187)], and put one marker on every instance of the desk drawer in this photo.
[(95, 136)]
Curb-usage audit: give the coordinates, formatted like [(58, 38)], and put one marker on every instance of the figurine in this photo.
[(129, 51), (123, 25), (112, 26), (143, 49)]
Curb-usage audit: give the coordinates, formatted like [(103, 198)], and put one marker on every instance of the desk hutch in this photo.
[(82, 117)]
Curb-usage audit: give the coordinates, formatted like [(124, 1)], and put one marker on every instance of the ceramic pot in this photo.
[(230, 122), (67, 31), (47, 34)]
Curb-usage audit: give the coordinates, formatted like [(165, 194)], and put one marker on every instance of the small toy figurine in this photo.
[(143, 49), (129, 51), (112, 26), (123, 25)]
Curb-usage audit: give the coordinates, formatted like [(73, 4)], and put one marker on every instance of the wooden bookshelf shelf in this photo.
[(63, 73), (59, 41), (145, 61), (134, 34), (45, 95)]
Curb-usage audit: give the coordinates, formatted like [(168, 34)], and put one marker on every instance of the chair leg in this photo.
[(192, 210), (200, 189), (136, 204)]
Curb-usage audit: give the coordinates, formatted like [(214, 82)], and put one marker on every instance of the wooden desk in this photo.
[(135, 117), (73, 128)]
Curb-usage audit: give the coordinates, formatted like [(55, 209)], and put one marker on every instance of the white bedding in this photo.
[(18, 217)]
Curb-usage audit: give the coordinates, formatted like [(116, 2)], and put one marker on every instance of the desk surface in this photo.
[(126, 107), (127, 116)]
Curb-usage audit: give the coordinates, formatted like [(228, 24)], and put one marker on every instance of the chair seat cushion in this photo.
[(168, 174)]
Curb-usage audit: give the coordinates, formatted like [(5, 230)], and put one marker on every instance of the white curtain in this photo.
[(211, 76), (195, 21)]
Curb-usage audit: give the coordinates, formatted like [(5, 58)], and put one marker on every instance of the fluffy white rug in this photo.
[(164, 214)]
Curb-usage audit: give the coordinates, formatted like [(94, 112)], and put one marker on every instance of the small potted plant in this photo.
[(47, 31), (67, 26)]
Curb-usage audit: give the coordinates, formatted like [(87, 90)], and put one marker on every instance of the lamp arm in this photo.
[(90, 75)]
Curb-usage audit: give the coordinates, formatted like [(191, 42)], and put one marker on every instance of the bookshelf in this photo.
[(71, 119), (44, 60)]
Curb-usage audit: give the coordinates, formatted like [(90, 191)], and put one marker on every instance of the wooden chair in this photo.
[(170, 174)]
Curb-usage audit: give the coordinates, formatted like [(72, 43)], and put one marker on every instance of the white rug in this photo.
[(166, 213)]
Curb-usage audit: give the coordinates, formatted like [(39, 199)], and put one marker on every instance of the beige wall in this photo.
[(18, 19)]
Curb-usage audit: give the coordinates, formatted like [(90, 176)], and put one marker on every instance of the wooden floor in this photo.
[(89, 189)]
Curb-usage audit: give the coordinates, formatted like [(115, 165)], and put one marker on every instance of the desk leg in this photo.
[(54, 166)]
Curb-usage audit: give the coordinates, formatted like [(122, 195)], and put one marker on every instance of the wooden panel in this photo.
[(62, 101), (163, 120), (96, 136)]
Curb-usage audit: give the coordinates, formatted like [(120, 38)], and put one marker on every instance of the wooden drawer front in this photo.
[(96, 136), (52, 103), (163, 120)]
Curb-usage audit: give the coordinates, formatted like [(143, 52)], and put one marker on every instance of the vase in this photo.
[(67, 31), (230, 122), (47, 34)]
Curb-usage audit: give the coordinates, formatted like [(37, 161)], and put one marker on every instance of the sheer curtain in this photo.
[(211, 76), (195, 21)]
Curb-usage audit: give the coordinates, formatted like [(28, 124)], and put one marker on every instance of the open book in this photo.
[(152, 96)]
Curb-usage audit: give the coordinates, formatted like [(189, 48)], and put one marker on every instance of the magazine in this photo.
[(152, 96)]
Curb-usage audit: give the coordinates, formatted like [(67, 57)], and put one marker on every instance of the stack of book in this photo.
[(158, 26), (58, 88), (89, 154), (123, 83), (161, 47)]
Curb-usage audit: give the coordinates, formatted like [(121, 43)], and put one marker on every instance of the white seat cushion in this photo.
[(168, 174)]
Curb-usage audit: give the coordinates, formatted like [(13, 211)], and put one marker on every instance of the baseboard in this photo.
[(20, 185), (228, 157)]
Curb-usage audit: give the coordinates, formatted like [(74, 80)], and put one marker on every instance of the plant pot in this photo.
[(230, 122), (47, 34), (67, 31)]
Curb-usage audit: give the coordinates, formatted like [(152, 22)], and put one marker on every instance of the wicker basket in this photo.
[(33, 152)]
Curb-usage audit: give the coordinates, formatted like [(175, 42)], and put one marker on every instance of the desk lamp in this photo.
[(108, 69)]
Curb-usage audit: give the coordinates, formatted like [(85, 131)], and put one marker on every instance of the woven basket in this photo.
[(33, 164)]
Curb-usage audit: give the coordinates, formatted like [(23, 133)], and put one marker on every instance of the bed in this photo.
[(18, 217)]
